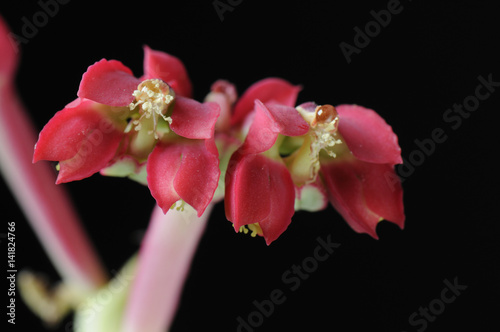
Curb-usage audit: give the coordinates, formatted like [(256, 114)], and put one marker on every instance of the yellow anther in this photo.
[(254, 228), (180, 207)]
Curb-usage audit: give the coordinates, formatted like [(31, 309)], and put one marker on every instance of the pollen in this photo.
[(152, 99)]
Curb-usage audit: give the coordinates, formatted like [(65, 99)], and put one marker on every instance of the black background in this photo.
[(428, 58)]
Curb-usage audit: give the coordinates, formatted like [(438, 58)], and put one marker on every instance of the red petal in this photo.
[(383, 192), (194, 120), (259, 190), (290, 122), (262, 133), (269, 121), (169, 69), (248, 196), (363, 193), (81, 138), (108, 82), (269, 90), (162, 166), (368, 136), (8, 52), (188, 171), (282, 194), (198, 175)]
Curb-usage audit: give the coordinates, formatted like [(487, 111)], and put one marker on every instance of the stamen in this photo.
[(323, 122), (254, 228), (152, 99), (180, 207)]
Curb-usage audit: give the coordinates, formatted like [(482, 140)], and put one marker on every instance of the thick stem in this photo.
[(45, 205), (164, 261)]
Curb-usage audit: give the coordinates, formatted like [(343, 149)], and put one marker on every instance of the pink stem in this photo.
[(164, 261), (45, 205)]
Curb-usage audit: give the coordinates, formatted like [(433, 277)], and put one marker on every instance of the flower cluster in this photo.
[(262, 154), (266, 156), (126, 126)]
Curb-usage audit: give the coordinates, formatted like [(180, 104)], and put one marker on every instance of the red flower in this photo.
[(300, 158), (120, 120), (259, 189), (83, 137), (356, 151)]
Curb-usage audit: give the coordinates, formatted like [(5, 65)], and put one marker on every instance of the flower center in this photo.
[(152, 99), (323, 123)]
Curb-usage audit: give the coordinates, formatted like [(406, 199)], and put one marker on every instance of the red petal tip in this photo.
[(108, 82)]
